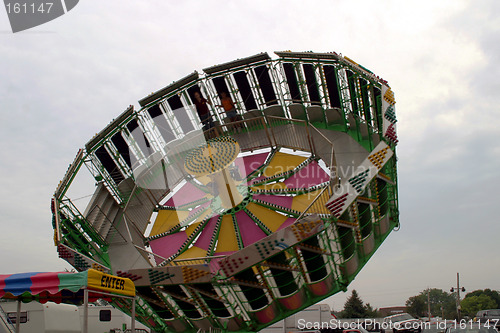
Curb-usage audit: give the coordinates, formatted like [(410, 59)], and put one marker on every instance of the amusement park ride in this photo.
[(240, 224)]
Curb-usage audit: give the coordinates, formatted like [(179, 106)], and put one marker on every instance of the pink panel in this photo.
[(293, 302), (250, 232), (279, 200), (267, 314), (45, 282), (2, 284), (187, 193), (288, 221), (310, 175), (168, 245), (249, 163), (319, 288), (214, 263), (206, 234), (201, 207)]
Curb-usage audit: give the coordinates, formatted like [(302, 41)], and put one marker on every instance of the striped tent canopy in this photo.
[(63, 287)]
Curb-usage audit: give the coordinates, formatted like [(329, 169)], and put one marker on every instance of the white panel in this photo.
[(351, 188)]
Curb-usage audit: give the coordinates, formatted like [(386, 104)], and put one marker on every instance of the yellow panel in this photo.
[(227, 240), (301, 202), (110, 283), (166, 219), (270, 218), (191, 228), (204, 179), (192, 252), (282, 162), (319, 207), (273, 186)]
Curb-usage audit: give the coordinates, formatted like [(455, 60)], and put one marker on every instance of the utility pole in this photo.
[(429, 304), (458, 295)]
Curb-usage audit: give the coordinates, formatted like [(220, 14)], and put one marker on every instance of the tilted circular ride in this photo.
[(238, 219)]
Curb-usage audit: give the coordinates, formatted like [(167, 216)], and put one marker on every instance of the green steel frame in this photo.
[(336, 253)]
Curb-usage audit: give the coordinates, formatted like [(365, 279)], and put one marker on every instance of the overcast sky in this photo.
[(63, 81)]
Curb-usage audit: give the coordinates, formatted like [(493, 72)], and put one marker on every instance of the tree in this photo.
[(416, 306), (472, 304), (371, 312), (443, 304), (493, 294), (354, 308)]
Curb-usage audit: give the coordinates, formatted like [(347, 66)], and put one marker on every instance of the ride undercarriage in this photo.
[(240, 224)]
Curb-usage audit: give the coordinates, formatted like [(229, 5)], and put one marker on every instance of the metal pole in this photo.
[(458, 296), (18, 315), (85, 310), (428, 304), (132, 324)]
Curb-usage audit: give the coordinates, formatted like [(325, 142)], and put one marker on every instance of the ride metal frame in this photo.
[(336, 251)]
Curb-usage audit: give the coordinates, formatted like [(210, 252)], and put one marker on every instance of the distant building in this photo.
[(391, 310)]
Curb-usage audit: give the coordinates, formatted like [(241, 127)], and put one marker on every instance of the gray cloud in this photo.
[(64, 81)]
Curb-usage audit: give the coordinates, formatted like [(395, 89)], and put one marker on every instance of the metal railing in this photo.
[(5, 321), (316, 205)]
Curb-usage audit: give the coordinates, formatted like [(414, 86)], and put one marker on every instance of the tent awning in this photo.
[(63, 287)]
